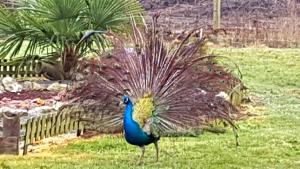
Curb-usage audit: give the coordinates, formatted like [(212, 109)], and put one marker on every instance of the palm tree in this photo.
[(52, 29)]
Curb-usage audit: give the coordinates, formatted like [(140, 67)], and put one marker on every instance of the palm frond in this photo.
[(44, 26)]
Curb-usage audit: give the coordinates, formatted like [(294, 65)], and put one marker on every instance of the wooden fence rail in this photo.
[(38, 128), (25, 70)]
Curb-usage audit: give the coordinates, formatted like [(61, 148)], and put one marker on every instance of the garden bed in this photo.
[(29, 99)]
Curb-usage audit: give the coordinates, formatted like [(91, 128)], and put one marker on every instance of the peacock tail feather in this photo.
[(173, 89)]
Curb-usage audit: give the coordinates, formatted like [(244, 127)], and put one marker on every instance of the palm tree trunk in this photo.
[(69, 61)]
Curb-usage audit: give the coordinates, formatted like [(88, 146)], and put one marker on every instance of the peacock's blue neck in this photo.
[(128, 112)]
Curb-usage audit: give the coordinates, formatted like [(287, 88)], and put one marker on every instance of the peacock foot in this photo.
[(157, 150), (140, 163)]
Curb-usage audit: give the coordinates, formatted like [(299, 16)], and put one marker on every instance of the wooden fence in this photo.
[(36, 129), (25, 70)]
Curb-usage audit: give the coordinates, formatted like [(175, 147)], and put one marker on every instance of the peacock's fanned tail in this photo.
[(179, 81)]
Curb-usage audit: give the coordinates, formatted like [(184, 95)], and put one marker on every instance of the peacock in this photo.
[(164, 88), (133, 123)]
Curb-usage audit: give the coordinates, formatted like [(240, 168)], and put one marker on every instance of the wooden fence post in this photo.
[(217, 14), (9, 143), (36, 128)]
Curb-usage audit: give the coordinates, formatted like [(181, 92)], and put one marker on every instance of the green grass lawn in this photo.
[(269, 140)]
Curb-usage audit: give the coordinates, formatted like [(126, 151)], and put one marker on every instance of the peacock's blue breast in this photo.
[(135, 135), (133, 132)]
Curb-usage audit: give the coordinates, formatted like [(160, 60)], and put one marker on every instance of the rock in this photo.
[(32, 86), (10, 84), (40, 110), (57, 87), (27, 85), (2, 90), (36, 86), (57, 105), (13, 111)]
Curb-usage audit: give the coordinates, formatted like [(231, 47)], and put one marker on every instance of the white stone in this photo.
[(57, 105), (57, 87), (40, 110), (27, 85), (32, 86), (10, 84), (12, 110), (1, 89)]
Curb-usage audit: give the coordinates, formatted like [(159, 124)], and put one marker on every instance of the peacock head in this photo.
[(126, 100)]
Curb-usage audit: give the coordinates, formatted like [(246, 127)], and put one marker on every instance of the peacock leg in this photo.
[(142, 155), (156, 148)]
